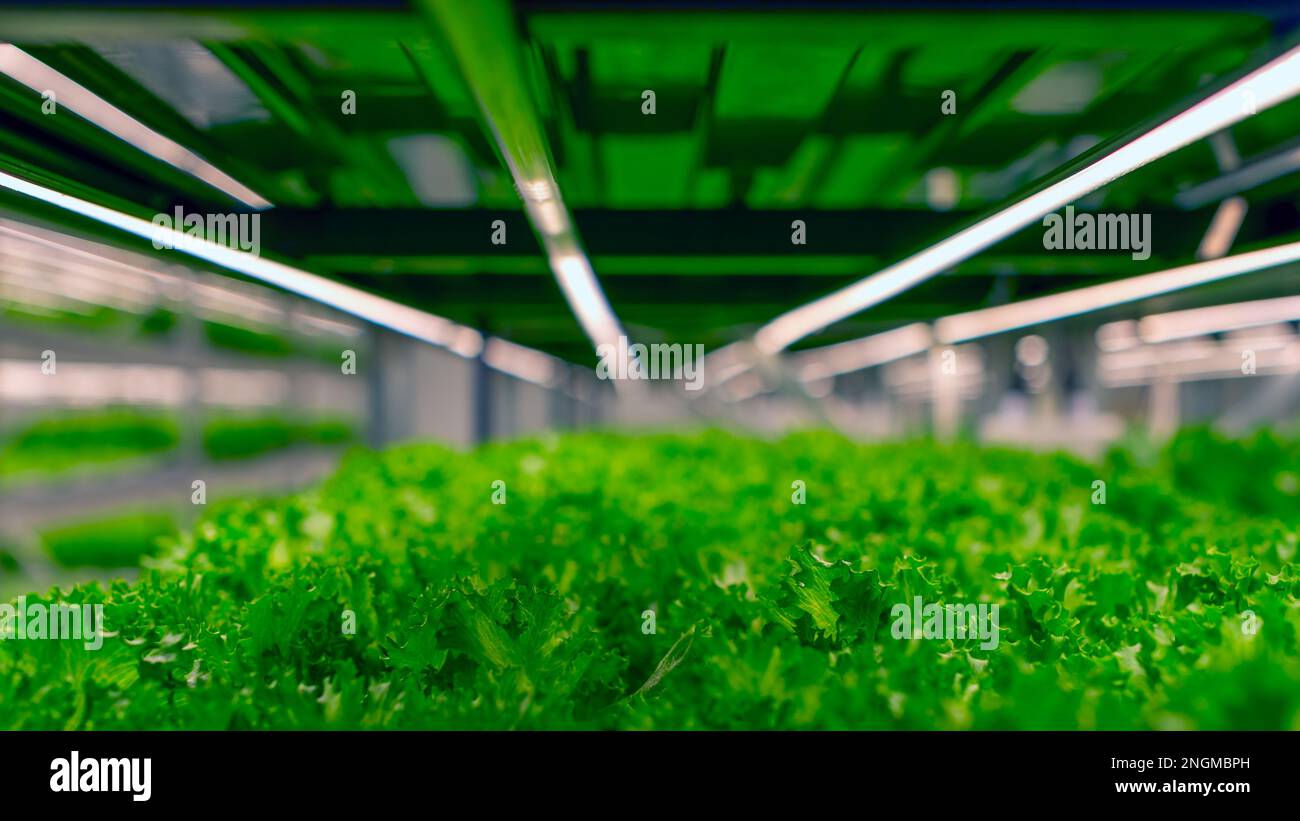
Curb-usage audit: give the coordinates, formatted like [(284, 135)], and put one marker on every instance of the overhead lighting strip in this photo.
[(1234, 316), (26, 69), (1276, 81), (989, 321), (483, 37), (412, 322), (877, 349), (867, 352)]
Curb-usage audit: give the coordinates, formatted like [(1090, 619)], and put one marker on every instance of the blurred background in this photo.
[(507, 185)]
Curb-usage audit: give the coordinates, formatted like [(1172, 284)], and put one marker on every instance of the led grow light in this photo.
[(988, 321), (881, 348), (1218, 318), (1223, 228), (867, 352), (40, 78), (1267, 86), (483, 38), (578, 282), (404, 319), (524, 363)]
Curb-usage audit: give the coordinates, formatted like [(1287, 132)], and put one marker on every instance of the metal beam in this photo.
[(723, 233), (1252, 174)]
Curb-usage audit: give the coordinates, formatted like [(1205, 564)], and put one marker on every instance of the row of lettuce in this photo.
[(160, 325), (106, 442), (103, 444), (58, 444), (709, 581)]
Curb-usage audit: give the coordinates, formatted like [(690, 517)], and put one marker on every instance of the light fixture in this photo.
[(515, 360), (1218, 319), (550, 217), (404, 319), (521, 362), (867, 352), (988, 321), (1194, 362), (40, 78), (483, 39), (583, 293), (1267, 86), (1117, 336), (1223, 228)]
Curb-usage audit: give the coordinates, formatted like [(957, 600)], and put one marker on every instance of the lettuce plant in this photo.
[(682, 582)]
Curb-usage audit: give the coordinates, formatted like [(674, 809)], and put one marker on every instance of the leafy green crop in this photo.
[(58, 443), (117, 541), (242, 437), (77, 441), (398, 595)]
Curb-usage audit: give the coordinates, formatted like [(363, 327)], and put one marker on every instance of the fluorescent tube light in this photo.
[(40, 78), (404, 319), (523, 363), (515, 360), (988, 321), (1117, 336), (1223, 228), (867, 352), (1218, 319), (1211, 361), (582, 290), (1269, 85), (550, 217)]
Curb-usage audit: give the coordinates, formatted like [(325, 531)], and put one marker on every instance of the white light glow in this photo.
[(1190, 362), (40, 78), (1218, 318), (1223, 228), (1271, 84), (550, 217), (97, 384), (1117, 336), (537, 190), (404, 319), (528, 364), (466, 342), (578, 282), (916, 378), (866, 352), (988, 321)]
